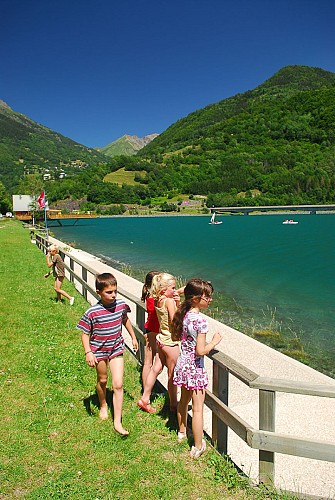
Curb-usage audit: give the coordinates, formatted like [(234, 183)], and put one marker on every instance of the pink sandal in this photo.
[(145, 406)]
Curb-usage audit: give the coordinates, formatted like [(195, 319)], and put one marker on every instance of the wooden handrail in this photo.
[(293, 387), (264, 439)]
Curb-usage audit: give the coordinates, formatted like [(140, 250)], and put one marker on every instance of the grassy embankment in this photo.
[(52, 443)]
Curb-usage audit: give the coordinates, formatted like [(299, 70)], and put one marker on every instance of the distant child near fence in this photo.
[(55, 261), (151, 326), (103, 343), (190, 327), (166, 298)]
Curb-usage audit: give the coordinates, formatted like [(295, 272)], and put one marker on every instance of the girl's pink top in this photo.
[(152, 323)]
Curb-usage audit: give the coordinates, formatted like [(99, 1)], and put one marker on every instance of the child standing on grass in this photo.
[(103, 343), (55, 261), (190, 328), (151, 326), (166, 298)]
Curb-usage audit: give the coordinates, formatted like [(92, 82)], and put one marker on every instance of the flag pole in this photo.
[(45, 216)]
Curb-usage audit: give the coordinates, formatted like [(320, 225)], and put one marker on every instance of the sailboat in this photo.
[(213, 221)]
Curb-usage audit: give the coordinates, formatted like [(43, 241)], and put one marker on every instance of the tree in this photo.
[(31, 184), (5, 203)]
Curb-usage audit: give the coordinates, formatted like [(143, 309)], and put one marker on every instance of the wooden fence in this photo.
[(265, 439)]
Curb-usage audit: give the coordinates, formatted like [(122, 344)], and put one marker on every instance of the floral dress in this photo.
[(190, 370)]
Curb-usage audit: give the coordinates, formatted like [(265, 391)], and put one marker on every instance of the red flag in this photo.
[(41, 200)]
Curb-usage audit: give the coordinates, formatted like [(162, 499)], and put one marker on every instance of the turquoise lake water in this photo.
[(256, 260)]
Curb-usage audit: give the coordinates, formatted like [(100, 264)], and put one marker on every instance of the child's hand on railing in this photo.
[(217, 337)]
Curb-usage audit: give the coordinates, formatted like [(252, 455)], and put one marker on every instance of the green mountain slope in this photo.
[(277, 139), (27, 147), (127, 145), (271, 145)]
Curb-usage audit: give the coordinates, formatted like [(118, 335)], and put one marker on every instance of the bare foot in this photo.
[(103, 413), (121, 430)]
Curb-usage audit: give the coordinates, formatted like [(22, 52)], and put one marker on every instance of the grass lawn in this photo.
[(52, 443), (123, 176)]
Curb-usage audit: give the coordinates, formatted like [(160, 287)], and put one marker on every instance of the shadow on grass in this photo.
[(93, 401), (169, 416), (56, 301)]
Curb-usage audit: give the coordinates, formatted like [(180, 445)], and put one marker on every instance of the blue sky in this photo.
[(95, 70)]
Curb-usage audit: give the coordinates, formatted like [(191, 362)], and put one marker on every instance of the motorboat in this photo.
[(291, 221)]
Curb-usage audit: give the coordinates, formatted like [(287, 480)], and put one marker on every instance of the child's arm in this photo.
[(91, 360), (129, 327), (49, 260), (202, 348), (180, 290)]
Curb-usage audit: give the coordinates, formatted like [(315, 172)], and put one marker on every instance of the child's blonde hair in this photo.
[(52, 248), (160, 282)]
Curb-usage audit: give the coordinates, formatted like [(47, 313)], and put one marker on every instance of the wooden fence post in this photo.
[(140, 320), (84, 276), (267, 413), (220, 390), (140, 317), (72, 269)]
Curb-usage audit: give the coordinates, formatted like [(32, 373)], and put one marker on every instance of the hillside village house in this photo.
[(23, 206)]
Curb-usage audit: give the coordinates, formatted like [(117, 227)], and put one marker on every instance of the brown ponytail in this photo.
[(147, 284), (194, 290), (178, 318)]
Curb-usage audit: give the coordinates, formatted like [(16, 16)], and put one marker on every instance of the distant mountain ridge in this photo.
[(127, 145), (271, 145)]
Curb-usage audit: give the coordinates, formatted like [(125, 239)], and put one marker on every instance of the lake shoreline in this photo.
[(272, 332), (258, 267), (252, 214)]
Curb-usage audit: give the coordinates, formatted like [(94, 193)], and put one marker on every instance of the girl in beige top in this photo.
[(166, 297)]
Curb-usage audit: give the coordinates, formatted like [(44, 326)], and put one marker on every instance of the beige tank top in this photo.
[(164, 336)]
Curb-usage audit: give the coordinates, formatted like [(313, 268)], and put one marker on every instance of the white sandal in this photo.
[(181, 436), (195, 452)]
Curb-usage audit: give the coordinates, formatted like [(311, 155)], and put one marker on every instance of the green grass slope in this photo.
[(52, 443)]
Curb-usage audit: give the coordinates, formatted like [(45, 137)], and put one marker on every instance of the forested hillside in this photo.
[(271, 145), (274, 144), (29, 148)]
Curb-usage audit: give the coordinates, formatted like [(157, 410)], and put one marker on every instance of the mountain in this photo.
[(28, 147), (291, 82), (127, 145), (271, 145), (277, 140)]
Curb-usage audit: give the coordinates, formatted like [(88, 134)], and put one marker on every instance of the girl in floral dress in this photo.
[(190, 327)]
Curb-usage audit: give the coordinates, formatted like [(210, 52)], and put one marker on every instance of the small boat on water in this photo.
[(291, 221), (213, 221)]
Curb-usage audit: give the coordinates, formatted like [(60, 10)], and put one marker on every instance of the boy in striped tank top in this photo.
[(101, 327)]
